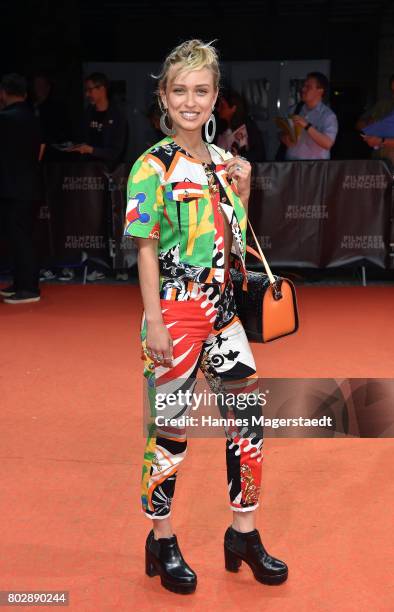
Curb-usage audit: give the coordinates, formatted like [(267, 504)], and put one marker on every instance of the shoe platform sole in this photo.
[(25, 301), (272, 579), (183, 589), (234, 563)]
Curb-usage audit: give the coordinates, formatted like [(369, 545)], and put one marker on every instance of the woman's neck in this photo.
[(193, 144), (190, 140)]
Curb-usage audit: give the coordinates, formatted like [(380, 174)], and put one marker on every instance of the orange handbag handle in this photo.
[(253, 251)]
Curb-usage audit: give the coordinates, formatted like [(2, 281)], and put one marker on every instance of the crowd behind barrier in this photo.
[(315, 214)]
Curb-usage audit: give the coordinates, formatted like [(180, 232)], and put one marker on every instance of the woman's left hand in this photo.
[(240, 169)]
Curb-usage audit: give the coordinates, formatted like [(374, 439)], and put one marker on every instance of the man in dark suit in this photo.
[(20, 145), (105, 134)]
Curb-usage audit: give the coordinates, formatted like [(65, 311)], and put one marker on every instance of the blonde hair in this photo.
[(191, 55)]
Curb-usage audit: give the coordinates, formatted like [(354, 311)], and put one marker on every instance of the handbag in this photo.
[(268, 309)]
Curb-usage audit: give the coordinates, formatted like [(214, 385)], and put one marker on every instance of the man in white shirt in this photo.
[(318, 122)]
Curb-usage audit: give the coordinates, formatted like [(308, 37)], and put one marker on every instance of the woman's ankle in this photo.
[(162, 528), (244, 522)]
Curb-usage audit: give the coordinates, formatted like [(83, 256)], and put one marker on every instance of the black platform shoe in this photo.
[(248, 547), (163, 558)]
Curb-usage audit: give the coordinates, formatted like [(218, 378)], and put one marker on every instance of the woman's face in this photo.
[(189, 97)]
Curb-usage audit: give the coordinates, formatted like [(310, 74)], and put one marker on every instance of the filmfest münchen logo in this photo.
[(83, 183), (364, 181), (44, 213), (310, 211), (85, 242), (264, 241), (366, 241), (263, 183)]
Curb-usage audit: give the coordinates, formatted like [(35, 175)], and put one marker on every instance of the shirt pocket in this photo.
[(185, 191), (187, 201)]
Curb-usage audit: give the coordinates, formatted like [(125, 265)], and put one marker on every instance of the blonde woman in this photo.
[(187, 207)]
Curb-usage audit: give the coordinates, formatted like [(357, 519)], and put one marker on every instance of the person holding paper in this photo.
[(317, 121), (377, 125)]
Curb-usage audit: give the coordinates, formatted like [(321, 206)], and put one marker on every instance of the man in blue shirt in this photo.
[(318, 123)]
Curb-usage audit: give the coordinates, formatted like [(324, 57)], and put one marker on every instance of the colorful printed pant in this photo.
[(207, 335)]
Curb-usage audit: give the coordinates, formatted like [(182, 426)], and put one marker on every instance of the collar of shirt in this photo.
[(305, 111)]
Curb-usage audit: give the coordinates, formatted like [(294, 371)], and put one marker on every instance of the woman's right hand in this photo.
[(159, 344), (158, 340)]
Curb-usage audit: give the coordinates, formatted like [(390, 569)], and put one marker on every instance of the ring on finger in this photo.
[(238, 167)]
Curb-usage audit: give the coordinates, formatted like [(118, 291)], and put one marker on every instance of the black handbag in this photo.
[(268, 308)]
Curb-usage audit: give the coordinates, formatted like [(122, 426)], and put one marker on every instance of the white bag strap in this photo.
[(263, 259)]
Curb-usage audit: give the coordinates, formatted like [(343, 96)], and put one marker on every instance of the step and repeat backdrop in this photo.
[(323, 214), (316, 214)]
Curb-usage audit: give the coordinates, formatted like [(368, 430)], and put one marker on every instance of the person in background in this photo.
[(55, 128), (318, 122), (105, 134), (20, 147), (382, 147), (51, 114), (239, 134), (153, 116), (380, 109), (105, 129)]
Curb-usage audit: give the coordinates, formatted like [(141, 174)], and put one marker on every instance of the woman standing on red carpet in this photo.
[(187, 209)]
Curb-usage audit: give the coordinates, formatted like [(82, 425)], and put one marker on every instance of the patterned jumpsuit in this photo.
[(199, 311)]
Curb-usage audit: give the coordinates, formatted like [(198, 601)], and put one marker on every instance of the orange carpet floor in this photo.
[(71, 451)]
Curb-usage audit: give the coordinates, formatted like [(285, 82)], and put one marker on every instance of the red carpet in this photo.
[(71, 449)]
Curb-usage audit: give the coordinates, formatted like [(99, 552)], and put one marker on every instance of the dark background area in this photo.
[(56, 37)]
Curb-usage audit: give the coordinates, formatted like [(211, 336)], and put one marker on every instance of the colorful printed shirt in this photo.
[(171, 198)]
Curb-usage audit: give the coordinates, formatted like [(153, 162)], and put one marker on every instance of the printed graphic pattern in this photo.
[(169, 199), (207, 334)]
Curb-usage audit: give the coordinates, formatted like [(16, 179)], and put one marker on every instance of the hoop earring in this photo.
[(164, 128), (211, 121)]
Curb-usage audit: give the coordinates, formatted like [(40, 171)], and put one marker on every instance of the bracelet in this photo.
[(308, 125)]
